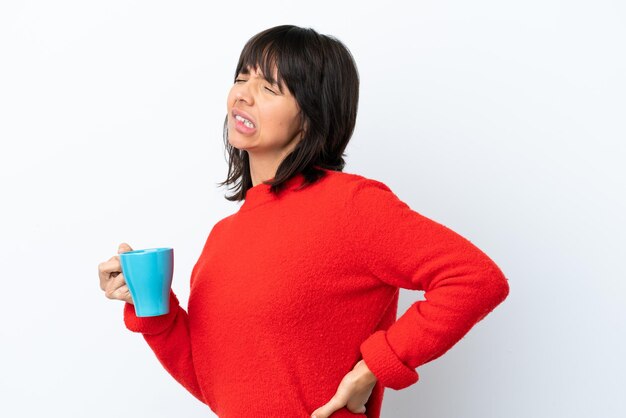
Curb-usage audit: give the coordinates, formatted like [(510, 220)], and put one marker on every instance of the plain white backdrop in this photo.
[(502, 120)]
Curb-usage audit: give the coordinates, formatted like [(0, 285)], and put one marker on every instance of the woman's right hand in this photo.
[(111, 278)]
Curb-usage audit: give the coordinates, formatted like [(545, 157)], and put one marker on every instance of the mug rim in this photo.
[(147, 250)]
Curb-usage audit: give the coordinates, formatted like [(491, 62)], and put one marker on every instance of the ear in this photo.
[(304, 128)]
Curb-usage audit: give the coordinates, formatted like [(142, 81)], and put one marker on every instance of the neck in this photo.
[(262, 169), (263, 166)]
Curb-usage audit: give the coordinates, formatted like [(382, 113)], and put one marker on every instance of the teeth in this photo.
[(244, 121)]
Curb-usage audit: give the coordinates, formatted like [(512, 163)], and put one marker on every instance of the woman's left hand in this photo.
[(353, 392)]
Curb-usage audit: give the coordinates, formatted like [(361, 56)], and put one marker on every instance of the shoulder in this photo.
[(360, 186), (356, 183), (364, 194), (221, 225)]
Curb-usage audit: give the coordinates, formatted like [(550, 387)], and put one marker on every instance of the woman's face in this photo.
[(261, 119)]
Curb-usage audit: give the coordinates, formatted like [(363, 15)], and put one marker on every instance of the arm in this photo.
[(405, 249), (168, 336)]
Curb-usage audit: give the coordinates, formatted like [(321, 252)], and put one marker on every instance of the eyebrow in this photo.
[(246, 71)]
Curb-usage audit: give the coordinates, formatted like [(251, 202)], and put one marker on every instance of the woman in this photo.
[(293, 300)]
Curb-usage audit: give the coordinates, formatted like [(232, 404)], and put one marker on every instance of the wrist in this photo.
[(366, 372)]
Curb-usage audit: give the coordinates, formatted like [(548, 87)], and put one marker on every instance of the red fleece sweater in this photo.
[(291, 291)]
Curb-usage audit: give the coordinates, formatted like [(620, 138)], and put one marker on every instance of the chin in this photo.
[(238, 142)]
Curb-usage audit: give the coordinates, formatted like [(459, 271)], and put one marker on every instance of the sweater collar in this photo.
[(261, 193)]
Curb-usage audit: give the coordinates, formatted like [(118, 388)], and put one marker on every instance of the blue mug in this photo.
[(148, 274)]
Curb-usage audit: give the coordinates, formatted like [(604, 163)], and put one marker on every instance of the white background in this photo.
[(502, 120)]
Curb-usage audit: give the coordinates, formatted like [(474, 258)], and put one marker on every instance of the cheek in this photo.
[(229, 98), (279, 116)]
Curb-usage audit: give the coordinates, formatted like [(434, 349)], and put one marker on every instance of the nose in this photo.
[(242, 93)]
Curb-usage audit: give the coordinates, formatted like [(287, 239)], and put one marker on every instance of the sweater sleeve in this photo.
[(403, 248), (168, 337)]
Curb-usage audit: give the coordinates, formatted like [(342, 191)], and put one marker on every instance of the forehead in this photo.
[(275, 78), (248, 69)]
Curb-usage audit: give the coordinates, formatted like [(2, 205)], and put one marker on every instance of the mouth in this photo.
[(243, 118)]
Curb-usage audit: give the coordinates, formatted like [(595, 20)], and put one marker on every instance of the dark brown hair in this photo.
[(321, 74)]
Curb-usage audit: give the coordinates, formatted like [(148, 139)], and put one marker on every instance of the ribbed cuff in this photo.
[(385, 364), (150, 324)]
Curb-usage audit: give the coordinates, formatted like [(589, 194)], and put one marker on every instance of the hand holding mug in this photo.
[(112, 281)]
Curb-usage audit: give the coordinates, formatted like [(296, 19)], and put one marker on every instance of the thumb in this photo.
[(123, 248)]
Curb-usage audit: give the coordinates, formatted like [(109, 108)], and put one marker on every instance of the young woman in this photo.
[(293, 300)]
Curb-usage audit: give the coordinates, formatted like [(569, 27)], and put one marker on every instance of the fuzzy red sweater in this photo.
[(291, 291)]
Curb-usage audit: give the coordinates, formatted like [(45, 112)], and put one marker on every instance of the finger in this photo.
[(123, 247), (117, 292), (129, 299), (117, 282), (112, 287), (357, 408), (108, 268), (325, 411), (123, 293), (360, 411)]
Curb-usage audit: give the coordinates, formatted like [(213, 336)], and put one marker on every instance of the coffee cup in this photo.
[(149, 274)]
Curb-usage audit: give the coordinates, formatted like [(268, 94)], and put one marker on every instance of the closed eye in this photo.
[(238, 80)]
